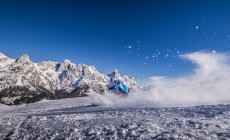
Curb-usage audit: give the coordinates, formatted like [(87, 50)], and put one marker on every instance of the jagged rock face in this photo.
[(64, 66), (114, 75), (47, 65), (23, 59), (3, 59), (2, 55), (51, 80)]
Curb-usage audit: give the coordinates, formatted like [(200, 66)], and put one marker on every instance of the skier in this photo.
[(121, 86)]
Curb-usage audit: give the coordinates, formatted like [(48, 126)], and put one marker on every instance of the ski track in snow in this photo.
[(80, 118)]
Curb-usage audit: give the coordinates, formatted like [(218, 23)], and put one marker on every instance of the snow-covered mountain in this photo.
[(22, 81)]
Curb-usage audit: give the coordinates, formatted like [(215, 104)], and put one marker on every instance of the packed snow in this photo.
[(83, 118)]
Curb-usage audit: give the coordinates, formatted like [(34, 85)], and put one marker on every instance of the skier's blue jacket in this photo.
[(122, 87), (125, 89)]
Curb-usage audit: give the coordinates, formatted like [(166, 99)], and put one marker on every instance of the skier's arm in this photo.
[(114, 87)]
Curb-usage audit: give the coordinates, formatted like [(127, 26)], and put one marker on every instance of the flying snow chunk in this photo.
[(130, 47), (197, 27), (146, 57)]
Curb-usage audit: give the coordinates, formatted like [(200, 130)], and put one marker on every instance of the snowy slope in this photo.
[(2, 55), (4, 60), (22, 81), (79, 118)]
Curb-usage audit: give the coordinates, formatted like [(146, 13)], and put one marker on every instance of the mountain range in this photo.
[(23, 82)]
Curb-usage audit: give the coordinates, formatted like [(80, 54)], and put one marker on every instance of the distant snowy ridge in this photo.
[(2, 55), (22, 81)]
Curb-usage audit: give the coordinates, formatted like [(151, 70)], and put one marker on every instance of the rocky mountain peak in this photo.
[(64, 65), (48, 64), (67, 62), (3, 58), (24, 58), (88, 70), (2, 55), (114, 75)]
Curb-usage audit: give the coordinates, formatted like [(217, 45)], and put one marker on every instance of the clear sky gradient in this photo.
[(140, 38)]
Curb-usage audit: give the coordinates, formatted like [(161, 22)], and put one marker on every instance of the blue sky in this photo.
[(140, 38)]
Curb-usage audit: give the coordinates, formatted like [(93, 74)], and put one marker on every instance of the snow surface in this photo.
[(101, 117), (7, 62)]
